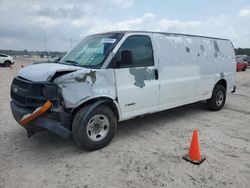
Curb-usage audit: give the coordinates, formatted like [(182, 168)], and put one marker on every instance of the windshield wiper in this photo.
[(74, 63), (71, 62)]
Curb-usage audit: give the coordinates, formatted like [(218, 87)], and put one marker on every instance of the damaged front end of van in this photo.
[(45, 96)]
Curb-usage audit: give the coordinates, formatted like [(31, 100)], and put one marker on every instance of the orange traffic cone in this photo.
[(194, 155)]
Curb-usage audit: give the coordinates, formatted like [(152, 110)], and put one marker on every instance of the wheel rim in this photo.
[(219, 98), (7, 64), (98, 128)]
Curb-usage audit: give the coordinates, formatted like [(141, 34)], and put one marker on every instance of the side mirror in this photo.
[(58, 59), (126, 57)]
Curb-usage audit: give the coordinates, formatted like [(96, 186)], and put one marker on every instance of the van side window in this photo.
[(141, 51)]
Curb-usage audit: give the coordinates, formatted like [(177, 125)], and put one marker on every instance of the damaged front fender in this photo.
[(85, 84)]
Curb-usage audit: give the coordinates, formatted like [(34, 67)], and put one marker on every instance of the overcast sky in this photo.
[(26, 24)]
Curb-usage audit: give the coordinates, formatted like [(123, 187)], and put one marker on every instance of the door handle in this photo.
[(156, 74)]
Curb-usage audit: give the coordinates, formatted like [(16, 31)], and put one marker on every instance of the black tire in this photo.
[(218, 98), (244, 69), (80, 126), (7, 63)]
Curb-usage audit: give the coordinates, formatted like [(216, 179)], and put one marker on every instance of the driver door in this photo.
[(137, 83)]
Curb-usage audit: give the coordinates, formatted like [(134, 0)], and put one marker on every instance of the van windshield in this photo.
[(92, 51)]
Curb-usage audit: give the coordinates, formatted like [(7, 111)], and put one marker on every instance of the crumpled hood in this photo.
[(44, 71)]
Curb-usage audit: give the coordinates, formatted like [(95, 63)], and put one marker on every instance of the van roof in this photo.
[(165, 33)]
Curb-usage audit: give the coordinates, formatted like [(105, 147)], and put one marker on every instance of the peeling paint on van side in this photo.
[(141, 75), (222, 75), (91, 75), (217, 50), (187, 49), (202, 48), (216, 47)]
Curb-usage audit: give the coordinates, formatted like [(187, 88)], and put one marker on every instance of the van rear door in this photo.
[(137, 81)]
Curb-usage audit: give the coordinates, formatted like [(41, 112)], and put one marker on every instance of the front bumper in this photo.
[(44, 122)]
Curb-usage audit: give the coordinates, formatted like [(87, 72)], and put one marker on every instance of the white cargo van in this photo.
[(115, 76)]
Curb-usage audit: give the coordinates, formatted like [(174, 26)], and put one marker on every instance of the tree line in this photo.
[(33, 53), (242, 51)]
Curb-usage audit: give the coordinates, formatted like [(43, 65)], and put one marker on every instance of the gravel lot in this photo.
[(146, 152)]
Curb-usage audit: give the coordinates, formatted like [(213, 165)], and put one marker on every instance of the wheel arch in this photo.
[(99, 100), (222, 82)]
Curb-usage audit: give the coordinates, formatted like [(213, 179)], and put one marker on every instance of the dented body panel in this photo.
[(44, 71), (85, 84), (183, 69)]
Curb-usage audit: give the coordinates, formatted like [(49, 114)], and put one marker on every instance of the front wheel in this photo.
[(95, 129), (7, 63), (218, 99)]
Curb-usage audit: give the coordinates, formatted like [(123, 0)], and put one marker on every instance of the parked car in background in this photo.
[(241, 56), (247, 59), (241, 65), (244, 58), (6, 60)]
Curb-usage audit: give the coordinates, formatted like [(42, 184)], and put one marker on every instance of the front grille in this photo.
[(29, 94), (19, 99), (20, 82)]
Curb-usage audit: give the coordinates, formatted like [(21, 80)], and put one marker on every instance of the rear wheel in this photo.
[(95, 129), (218, 98), (7, 63)]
